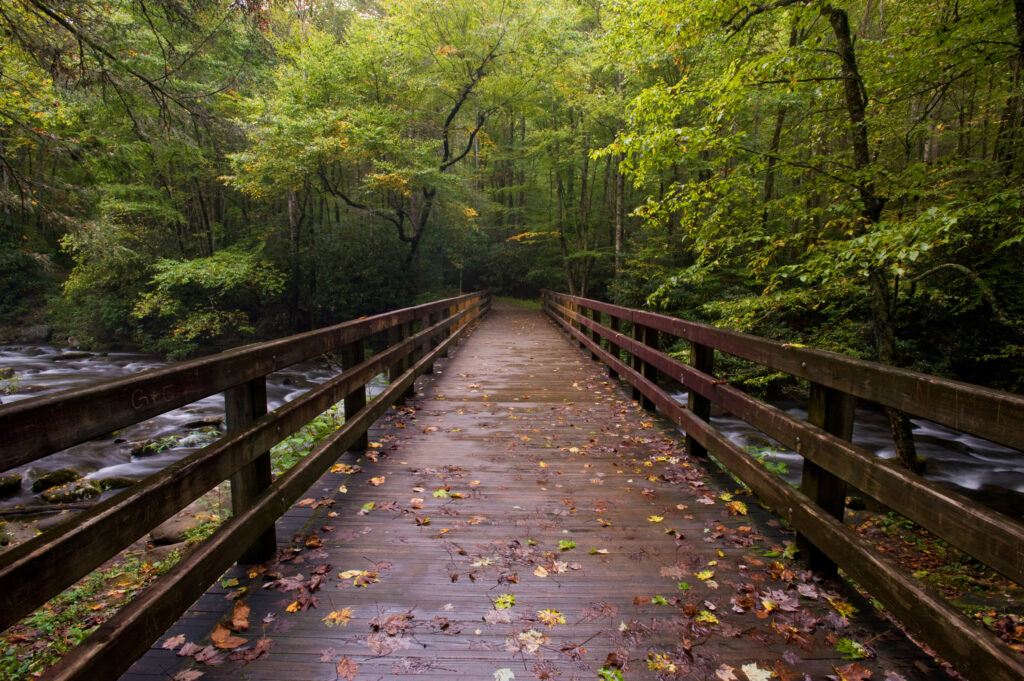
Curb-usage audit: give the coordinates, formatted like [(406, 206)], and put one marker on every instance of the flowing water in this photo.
[(985, 471), (990, 473), (41, 370)]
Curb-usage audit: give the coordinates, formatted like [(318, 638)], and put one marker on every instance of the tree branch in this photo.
[(983, 288)]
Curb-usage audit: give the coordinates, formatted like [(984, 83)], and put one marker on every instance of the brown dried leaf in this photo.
[(239, 617), (223, 639), (174, 642), (347, 669)]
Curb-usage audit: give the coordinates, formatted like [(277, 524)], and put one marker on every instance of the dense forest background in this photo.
[(183, 175)]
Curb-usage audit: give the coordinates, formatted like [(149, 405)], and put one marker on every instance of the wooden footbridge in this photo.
[(525, 512)]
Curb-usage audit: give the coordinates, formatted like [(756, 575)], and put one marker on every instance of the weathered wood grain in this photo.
[(991, 414), (975, 651), (38, 569), (514, 397), (36, 427), (992, 537)]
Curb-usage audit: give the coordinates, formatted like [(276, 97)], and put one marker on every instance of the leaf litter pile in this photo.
[(525, 519)]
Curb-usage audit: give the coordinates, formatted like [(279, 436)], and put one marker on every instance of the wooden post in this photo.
[(243, 404), (448, 311), (649, 337), (832, 411), (407, 330), (613, 323), (351, 355), (702, 358), (578, 309), (594, 335), (638, 335), (428, 344), (394, 337)]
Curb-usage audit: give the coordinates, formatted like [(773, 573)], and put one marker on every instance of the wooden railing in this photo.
[(37, 570), (831, 461)]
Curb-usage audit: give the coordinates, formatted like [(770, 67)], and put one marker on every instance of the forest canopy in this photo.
[(183, 175)]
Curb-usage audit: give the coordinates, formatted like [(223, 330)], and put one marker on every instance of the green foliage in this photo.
[(210, 300), (62, 623), (852, 650), (296, 446)]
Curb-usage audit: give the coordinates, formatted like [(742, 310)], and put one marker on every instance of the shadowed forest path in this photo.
[(522, 473)]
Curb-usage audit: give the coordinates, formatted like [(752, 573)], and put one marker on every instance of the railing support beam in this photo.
[(832, 411), (702, 358), (613, 323), (243, 404), (355, 401)]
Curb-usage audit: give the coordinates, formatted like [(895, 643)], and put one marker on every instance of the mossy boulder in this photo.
[(54, 478), (9, 484), (79, 490), (116, 482)]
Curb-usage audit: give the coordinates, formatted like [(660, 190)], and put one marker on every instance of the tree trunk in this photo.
[(620, 214), (883, 322), (294, 234)]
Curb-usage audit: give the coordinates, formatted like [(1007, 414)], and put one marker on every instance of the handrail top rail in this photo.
[(78, 414), (993, 414)]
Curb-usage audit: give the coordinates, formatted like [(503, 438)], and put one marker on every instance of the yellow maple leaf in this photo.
[(551, 617), (338, 617)]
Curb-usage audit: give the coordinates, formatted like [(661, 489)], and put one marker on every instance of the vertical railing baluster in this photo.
[(594, 335), (635, 361), (351, 355), (702, 358), (243, 404), (833, 411), (408, 329), (613, 324), (650, 338), (446, 312)]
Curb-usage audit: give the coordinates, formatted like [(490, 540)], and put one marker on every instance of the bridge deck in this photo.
[(536, 446)]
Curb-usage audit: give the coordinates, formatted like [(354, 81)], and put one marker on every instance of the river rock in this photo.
[(37, 333), (9, 484), (77, 354), (79, 490), (163, 551), (116, 482), (174, 530), (54, 478), (204, 422)]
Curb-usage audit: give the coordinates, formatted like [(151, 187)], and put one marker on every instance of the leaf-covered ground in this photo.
[(525, 519)]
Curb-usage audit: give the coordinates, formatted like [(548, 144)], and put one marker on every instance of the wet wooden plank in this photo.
[(534, 445)]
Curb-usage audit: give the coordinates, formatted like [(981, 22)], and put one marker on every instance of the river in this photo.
[(990, 473), (41, 370)]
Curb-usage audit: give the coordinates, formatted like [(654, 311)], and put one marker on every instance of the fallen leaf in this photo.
[(755, 673), (377, 481), (853, 672), (551, 617), (223, 639), (174, 642), (347, 669), (188, 675), (726, 673), (504, 674), (239, 617), (338, 617)]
